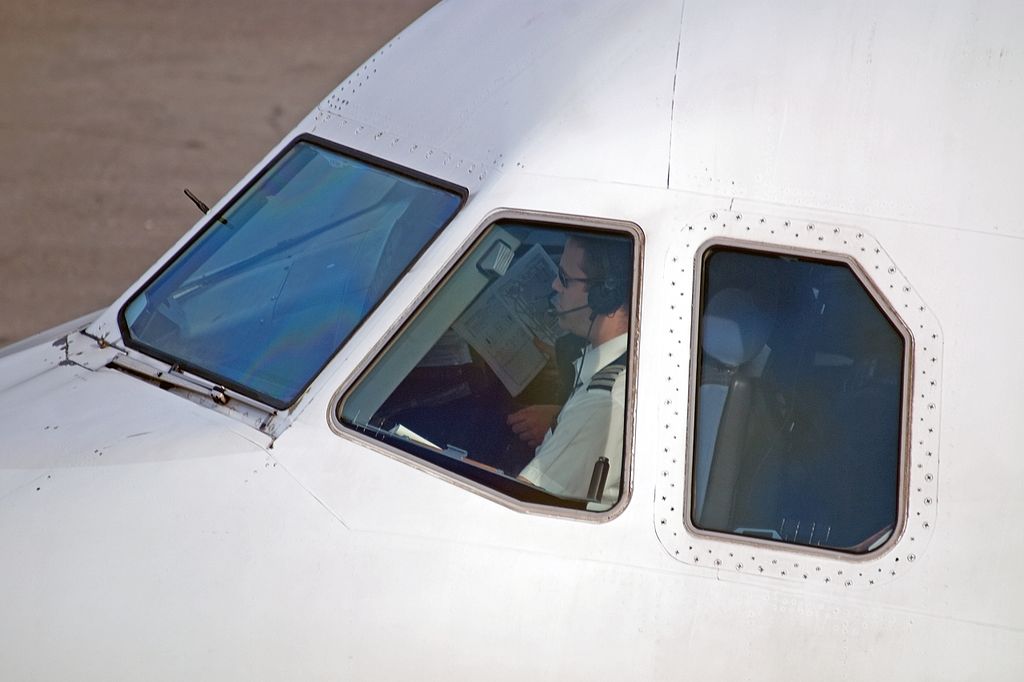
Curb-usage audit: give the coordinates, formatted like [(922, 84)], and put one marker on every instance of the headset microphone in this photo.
[(553, 309), (559, 313)]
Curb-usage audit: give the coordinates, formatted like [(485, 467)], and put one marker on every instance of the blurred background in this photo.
[(110, 108)]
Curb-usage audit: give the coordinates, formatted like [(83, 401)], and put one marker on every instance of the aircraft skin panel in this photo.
[(904, 110), (274, 587), (573, 90), (149, 536), (26, 363), (62, 419)]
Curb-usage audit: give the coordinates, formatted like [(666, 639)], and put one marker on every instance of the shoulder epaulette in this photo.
[(604, 379)]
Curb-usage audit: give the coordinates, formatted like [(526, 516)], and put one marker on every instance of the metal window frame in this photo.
[(213, 218), (477, 484), (906, 392)]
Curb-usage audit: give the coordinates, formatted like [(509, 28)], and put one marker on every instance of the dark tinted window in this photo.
[(798, 403)]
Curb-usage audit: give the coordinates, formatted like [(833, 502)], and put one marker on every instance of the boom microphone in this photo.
[(558, 313)]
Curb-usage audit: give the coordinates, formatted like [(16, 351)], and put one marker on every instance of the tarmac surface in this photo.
[(110, 108)]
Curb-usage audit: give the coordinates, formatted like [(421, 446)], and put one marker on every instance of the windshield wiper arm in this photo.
[(200, 204)]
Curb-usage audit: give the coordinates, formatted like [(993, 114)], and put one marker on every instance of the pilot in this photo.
[(591, 300)]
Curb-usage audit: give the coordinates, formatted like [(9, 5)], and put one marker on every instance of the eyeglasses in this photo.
[(565, 279)]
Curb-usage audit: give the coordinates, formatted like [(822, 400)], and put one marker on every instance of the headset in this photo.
[(611, 260)]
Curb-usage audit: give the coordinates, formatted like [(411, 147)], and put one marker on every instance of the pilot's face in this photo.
[(573, 292)]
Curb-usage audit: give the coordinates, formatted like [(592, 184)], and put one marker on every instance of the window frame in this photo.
[(701, 255), (476, 481), (212, 218)]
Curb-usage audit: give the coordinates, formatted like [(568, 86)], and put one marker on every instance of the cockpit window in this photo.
[(798, 404), (514, 374), (272, 288)]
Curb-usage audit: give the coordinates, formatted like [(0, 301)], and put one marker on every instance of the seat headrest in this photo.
[(734, 328)]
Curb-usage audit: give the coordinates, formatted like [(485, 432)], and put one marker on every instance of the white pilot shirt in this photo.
[(590, 425)]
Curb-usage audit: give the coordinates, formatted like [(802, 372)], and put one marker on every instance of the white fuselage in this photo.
[(149, 535)]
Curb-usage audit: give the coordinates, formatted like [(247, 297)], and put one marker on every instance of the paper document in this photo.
[(503, 321)]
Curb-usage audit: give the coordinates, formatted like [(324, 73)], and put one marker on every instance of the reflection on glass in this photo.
[(798, 404), (268, 293), (512, 376)]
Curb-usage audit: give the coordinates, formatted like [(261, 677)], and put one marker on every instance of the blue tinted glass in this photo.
[(510, 377), (798, 413), (268, 293)]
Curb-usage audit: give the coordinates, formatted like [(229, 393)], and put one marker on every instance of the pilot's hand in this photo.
[(532, 422), (546, 348)]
